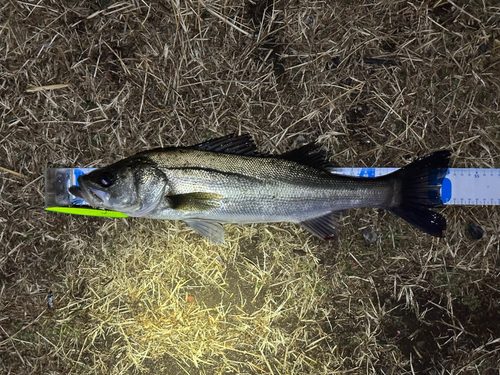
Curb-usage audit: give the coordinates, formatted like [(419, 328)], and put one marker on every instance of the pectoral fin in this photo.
[(324, 227), (194, 202), (213, 231)]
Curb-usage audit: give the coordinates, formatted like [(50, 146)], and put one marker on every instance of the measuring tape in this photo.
[(461, 186)]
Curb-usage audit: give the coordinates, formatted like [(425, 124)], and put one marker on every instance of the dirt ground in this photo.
[(376, 83)]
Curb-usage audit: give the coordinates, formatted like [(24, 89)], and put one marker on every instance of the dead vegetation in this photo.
[(377, 83)]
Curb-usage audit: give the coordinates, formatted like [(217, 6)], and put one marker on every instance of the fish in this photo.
[(225, 180)]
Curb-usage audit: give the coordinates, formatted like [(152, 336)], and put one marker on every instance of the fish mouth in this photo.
[(76, 191), (95, 197)]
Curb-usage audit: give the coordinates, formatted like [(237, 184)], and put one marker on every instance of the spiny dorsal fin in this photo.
[(194, 202), (230, 144), (325, 226), (309, 155)]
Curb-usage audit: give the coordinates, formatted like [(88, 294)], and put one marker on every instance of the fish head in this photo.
[(133, 186)]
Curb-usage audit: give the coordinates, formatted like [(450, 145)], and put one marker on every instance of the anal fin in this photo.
[(212, 230), (325, 226)]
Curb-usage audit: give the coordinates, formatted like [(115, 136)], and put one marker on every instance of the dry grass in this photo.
[(377, 83)]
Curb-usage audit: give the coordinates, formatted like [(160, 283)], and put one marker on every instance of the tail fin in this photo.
[(419, 186)]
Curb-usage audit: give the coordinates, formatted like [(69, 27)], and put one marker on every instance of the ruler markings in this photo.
[(461, 186)]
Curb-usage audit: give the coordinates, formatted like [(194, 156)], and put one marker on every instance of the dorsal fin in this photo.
[(230, 144), (309, 155)]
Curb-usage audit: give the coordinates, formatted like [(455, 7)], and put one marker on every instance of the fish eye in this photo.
[(106, 179)]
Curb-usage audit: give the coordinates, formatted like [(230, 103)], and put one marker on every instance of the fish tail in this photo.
[(418, 188)]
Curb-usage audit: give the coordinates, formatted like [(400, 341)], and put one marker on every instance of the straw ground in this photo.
[(376, 83)]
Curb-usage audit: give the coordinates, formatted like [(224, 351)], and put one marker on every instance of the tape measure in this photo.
[(461, 186)]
